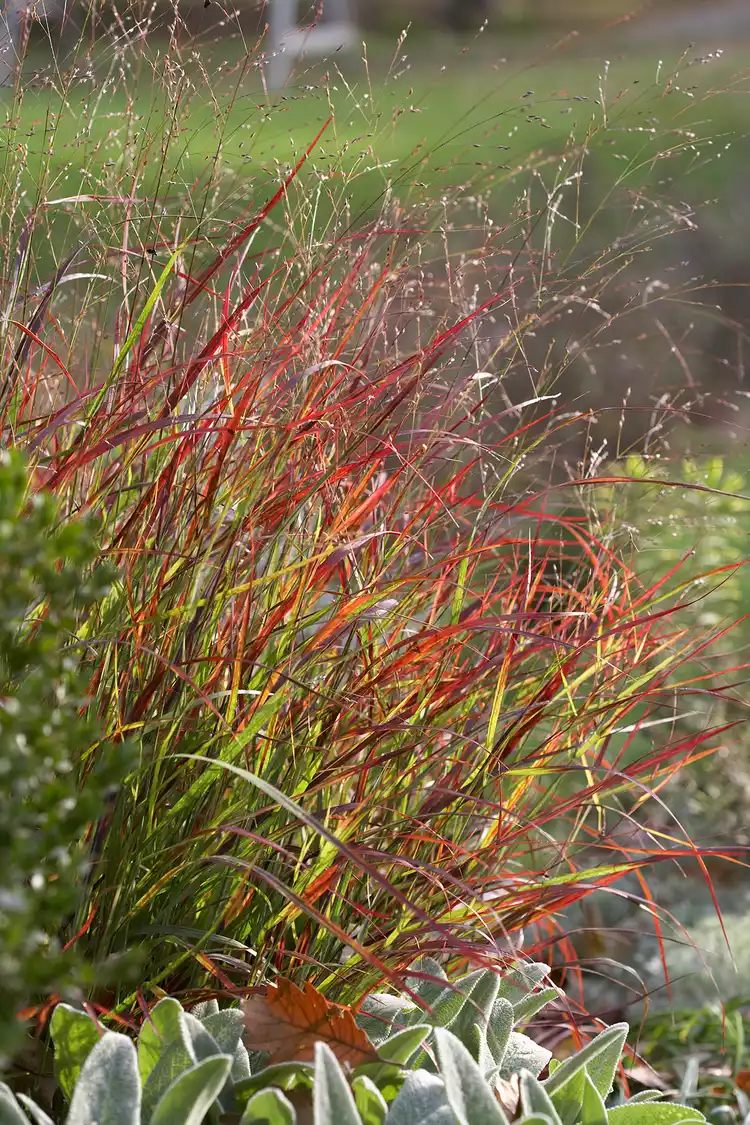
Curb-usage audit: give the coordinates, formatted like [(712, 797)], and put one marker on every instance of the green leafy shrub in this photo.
[(446, 1060), (48, 578)]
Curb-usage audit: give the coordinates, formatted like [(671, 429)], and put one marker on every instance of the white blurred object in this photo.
[(335, 30)]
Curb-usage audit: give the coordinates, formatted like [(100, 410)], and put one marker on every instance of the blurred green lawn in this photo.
[(423, 120)]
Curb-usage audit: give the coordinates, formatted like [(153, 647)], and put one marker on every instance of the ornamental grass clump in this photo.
[(382, 666)]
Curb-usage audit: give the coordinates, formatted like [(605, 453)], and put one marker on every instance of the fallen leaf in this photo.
[(645, 1076), (508, 1093), (742, 1079), (288, 1021)]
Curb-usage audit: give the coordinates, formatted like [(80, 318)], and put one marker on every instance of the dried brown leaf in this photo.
[(508, 1093), (742, 1079), (288, 1021), (645, 1076)]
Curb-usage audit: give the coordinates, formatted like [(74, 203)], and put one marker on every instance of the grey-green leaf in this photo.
[(593, 1110), (689, 1084), (189, 1098), (421, 1101), (225, 1028), (204, 1044), (469, 1096), (478, 1012), (206, 1047), (587, 1056), (370, 1103), (523, 1053), (535, 1100), (10, 1111), (446, 1007), (35, 1112), (241, 1064), (568, 1098), (516, 984), (162, 1027), (332, 1098), (602, 1067), (427, 990), (379, 1011), (207, 1008), (175, 1060), (269, 1107), (286, 1075), (500, 1031), (399, 1048), (74, 1035), (534, 1003), (108, 1090)]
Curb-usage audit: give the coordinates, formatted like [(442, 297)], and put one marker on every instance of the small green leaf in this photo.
[(370, 1102), (593, 1110), (268, 1107), (162, 1027), (332, 1098), (189, 1098), (568, 1098), (74, 1035), (108, 1090), (286, 1075), (388, 1077), (469, 1096), (399, 1048), (653, 1113)]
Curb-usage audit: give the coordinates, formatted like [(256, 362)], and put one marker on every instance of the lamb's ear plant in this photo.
[(188, 1067), (49, 794), (480, 1009)]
